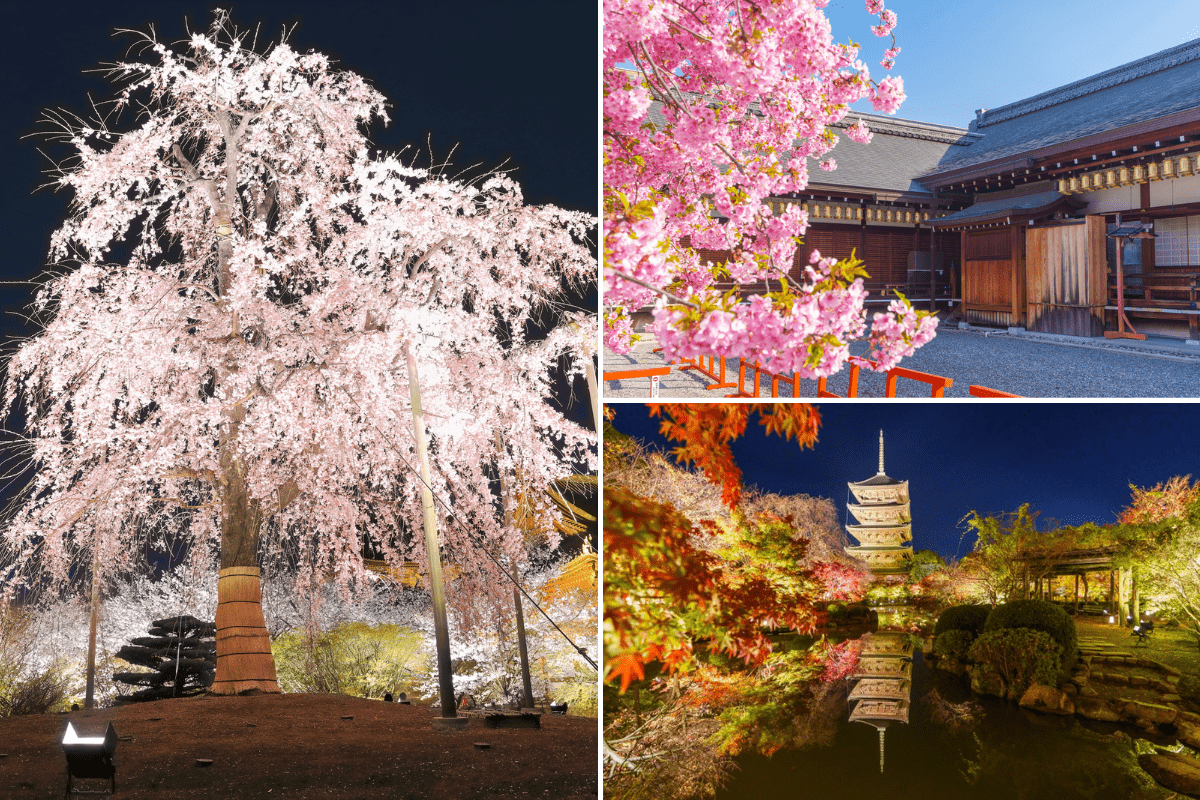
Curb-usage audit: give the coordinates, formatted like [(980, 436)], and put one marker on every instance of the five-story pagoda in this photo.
[(884, 532)]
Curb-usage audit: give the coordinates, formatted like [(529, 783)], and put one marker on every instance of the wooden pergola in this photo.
[(1073, 564)]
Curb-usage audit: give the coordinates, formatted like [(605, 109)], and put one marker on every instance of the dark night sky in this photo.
[(513, 80), (1073, 461)]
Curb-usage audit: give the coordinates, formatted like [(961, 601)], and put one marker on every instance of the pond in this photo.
[(956, 745)]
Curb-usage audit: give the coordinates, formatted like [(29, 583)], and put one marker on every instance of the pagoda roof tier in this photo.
[(880, 514), (886, 644), (894, 492), (896, 668), (881, 689), (872, 710), (881, 540)]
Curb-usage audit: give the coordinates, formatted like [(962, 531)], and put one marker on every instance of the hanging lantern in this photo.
[(1152, 171), (1139, 173), (1123, 176), (1167, 168), (1110, 179), (1064, 187), (1073, 185), (1085, 183)]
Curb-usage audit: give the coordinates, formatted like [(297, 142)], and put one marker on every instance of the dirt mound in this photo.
[(300, 746)]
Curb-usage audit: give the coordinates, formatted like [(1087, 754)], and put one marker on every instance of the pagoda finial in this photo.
[(881, 732), (881, 451)]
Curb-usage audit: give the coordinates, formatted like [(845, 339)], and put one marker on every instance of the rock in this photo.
[(1177, 772), (1171, 698), (1047, 699), (1150, 712), (1116, 679), (1189, 734), (1087, 691), (1070, 689), (1189, 717), (1174, 673), (1137, 681), (986, 681), (1145, 662), (1097, 709)]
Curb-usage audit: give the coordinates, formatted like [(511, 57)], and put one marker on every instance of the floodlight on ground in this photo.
[(90, 758)]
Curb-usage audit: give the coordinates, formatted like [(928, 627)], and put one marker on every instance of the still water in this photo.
[(956, 745)]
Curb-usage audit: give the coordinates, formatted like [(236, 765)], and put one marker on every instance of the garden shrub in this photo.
[(1039, 615), (36, 694), (353, 658), (962, 618), (953, 644), (837, 612), (1021, 656)]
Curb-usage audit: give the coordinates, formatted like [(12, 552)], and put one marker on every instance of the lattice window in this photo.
[(1171, 247)]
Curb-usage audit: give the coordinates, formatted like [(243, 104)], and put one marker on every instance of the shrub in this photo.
[(953, 644), (1021, 656), (36, 694), (837, 612), (353, 658), (1038, 615), (962, 618)]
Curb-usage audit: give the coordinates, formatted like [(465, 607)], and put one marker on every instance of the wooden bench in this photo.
[(1170, 295)]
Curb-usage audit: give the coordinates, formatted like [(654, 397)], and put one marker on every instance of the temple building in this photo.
[(884, 529), (1075, 211)]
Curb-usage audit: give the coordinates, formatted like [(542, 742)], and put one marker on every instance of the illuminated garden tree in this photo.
[(241, 376)]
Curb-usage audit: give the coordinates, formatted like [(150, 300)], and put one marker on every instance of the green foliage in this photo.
[(953, 644), (1021, 656), (1039, 615), (886, 594), (353, 658), (924, 563), (970, 618), (39, 693), (837, 612)]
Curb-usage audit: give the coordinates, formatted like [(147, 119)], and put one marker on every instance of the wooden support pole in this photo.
[(1135, 612), (89, 696), (1112, 590), (522, 649), (1076, 593), (441, 630)]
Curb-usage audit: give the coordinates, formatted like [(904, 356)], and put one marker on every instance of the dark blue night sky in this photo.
[(1073, 461)]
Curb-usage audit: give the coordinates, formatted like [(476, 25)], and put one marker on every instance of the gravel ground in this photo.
[(1028, 364)]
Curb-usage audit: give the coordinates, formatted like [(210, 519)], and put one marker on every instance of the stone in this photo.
[(1177, 772), (1070, 689), (1137, 681), (1087, 691), (1174, 673), (1047, 699), (1145, 662), (1150, 712), (986, 681), (1097, 709), (1189, 734), (1170, 698), (1188, 716)]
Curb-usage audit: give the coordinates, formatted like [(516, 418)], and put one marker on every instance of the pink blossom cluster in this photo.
[(897, 334), (710, 108), (859, 132), (889, 57)]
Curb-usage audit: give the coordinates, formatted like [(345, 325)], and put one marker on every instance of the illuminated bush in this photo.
[(962, 618), (1021, 656), (354, 658), (1038, 615), (953, 644)]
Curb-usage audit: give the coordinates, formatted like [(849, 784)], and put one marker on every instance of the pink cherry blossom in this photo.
[(745, 94)]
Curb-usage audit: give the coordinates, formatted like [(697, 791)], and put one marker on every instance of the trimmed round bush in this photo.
[(1022, 656), (953, 644), (1038, 615), (962, 618)]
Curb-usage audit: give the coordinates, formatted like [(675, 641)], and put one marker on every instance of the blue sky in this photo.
[(1072, 461), (959, 56)]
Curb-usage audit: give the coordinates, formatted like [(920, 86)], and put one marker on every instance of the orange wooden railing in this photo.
[(937, 383), (652, 373), (983, 391), (717, 374)]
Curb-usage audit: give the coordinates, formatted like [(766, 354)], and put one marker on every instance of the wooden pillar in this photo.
[(1077, 593), (962, 265), (1112, 591), (1017, 241), (1025, 582), (1134, 610)]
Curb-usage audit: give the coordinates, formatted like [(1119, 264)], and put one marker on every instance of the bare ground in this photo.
[(299, 746)]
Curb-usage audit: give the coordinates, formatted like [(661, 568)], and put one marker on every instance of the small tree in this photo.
[(242, 376)]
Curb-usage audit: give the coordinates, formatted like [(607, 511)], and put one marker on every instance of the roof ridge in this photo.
[(910, 128), (1155, 62)]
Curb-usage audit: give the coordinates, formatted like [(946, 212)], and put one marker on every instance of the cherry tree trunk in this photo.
[(244, 660)]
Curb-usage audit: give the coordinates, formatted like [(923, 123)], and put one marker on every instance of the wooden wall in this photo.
[(1066, 278), (987, 277)]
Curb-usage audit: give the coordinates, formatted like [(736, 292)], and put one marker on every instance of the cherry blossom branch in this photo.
[(672, 297)]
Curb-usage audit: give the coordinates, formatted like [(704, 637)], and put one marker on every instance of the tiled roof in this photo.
[(1013, 203), (899, 150), (1156, 86)]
